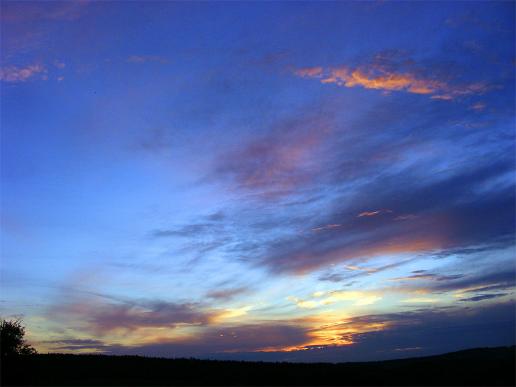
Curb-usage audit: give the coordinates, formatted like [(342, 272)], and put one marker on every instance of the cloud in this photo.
[(34, 11), (227, 339), (483, 297), (478, 106), (387, 73), (189, 230), (417, 300), (485, 281), (77, 345), (226, 294), (310, 72), (13, 74), (326, 227), (29, 27), (59, 64), (147, 59), (373, 213), (278, 163), (446, 211), (382, 80), (432, 330), (429, 277), (404, 156), (328, 298), (102, 318), (359, 272)]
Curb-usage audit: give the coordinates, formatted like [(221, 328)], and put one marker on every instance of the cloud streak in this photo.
[(15, 74), (103, 318), (277, 164), (385, 74)]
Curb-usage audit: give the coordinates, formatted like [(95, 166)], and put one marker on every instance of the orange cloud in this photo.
[(387, 81), (374, 76), (331, 330)]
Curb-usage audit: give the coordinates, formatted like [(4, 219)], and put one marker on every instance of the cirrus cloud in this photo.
[(14, 74)]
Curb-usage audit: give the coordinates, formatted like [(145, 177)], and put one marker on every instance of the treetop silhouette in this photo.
[(12, 340)]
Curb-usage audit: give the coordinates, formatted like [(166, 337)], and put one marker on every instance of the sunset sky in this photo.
[(303, 181)]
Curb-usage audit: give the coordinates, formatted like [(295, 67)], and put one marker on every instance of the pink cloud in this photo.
[(22, 74), (373, 213), (310, 72), (274, 165)]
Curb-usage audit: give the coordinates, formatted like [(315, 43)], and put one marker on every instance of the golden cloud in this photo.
[(380, 78)]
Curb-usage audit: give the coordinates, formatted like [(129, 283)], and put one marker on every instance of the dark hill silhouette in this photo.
[(475, 367)]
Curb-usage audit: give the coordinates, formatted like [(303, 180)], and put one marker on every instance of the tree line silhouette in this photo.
[(22, 366)]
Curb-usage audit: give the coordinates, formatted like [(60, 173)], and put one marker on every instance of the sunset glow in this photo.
[(301, 181)]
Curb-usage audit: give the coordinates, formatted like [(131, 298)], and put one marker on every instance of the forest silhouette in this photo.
[(23, 366), (477, 367)]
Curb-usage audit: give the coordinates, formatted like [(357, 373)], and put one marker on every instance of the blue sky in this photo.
[(278, 181)]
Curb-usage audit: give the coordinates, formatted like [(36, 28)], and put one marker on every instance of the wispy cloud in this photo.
[(34, 11), (367, 337), (441, 228), (278, 163), (319, 299), (101, 318), (482, 297), (429, 277), (326, 227), (273, 165), (189, 230), (226, 294), (74, 345), (147, 59), (373, 213), (384, 74), (15, 74)]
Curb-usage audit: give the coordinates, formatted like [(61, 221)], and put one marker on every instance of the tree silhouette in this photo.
[(12, 340)]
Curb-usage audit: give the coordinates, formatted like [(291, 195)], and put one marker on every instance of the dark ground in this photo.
[(476, 367)]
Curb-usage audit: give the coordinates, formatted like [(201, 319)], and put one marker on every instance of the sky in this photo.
[(295, 181)]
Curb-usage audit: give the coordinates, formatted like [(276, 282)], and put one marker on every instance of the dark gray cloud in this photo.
[(494, 280), (483, 297), (77, 344), (429, 277)]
